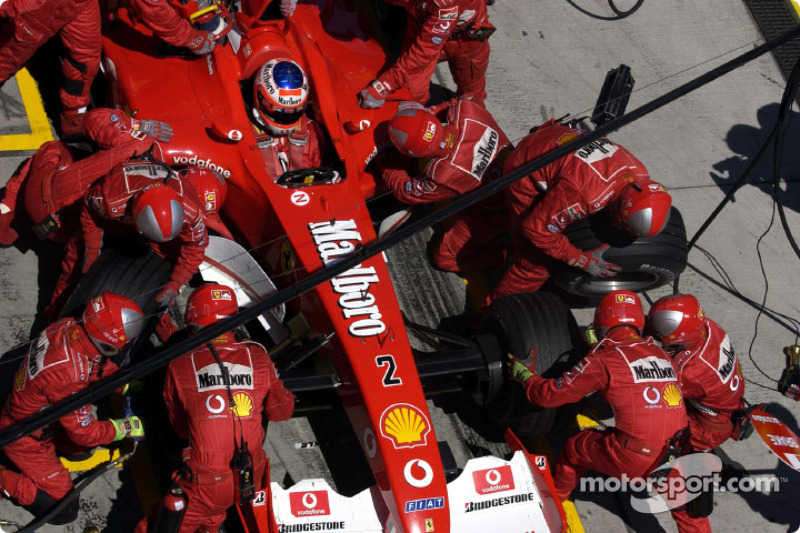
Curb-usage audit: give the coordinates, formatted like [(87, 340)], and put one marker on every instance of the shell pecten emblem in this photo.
[(405, 425), (242, 404), (672, 395)]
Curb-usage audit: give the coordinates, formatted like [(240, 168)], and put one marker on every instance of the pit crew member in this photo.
[(34, 22), (194, 24), (636, 378), (52, 179), (287, 138), (151, 198), (217, 418), (67, 356), (456, 30), (710, 374), (601, 175), (453, 169)]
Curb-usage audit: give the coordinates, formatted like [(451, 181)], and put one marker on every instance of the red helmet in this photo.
[(618, 308), (158, 212), (280, 92), (677, 319), (416, 132), (210, 303), (642, 208), (111, 321)]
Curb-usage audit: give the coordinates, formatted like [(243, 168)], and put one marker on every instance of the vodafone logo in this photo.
[(215, 404), (651, 395), (493, 480), (311, 503), (412, 472), (234, 135), (300, 198)]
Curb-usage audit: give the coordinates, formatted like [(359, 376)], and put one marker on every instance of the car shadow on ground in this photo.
[(746, 141)]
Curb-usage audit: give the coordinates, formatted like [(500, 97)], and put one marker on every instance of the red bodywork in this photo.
[(294, 231)]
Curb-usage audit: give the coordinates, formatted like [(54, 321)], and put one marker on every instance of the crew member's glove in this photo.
[(519, 371), (202, 44), (170, 291), (592, 262), (287, 8), (160, 131), (128, 427), (373, 95)]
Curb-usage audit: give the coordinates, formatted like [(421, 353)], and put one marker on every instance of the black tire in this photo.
[(130, 270), (647, 263), (521, 322)]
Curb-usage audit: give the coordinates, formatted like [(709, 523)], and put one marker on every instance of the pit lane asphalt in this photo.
[(549, 59)]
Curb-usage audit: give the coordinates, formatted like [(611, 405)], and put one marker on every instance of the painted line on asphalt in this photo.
[(37, 118), (794, 7)]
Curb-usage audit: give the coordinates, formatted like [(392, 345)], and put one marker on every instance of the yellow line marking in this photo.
[(586, 422), (573, 520), (37, 119), (99, 456), (794, 7)]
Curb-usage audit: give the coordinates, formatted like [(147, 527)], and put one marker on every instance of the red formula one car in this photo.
[(289, 226)]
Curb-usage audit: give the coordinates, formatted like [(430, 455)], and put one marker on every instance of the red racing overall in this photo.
[(637, 379), (300, 149), (110, 198), (476, 149), (543, 203), (61, 362), (199, 409), (34, 22), (436, 30)]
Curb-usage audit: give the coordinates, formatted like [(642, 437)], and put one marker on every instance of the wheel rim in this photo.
[(629, 281)]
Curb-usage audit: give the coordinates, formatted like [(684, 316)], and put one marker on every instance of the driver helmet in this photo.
[(677, 319), (618, 308), (416, 132), (280, 94), (642, 208), (208, 304), (111, 321), (158, 212)]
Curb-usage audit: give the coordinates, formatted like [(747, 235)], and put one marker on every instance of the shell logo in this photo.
[(672, 395), (242, 404), (404, 425)]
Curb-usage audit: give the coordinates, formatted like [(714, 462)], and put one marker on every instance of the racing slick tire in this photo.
[(130, 270), (647, 263), (520, 322)]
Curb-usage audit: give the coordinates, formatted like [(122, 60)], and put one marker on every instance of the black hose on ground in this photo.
[(622, 14)]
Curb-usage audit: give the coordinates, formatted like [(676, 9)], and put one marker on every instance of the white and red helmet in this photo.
[(280, 93), (111, 321), (210, 303), (158, 212), (618, 308), (642, 208), (416, 132), (677, 319)]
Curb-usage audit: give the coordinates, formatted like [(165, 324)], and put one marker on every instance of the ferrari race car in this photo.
[(349, 337)]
